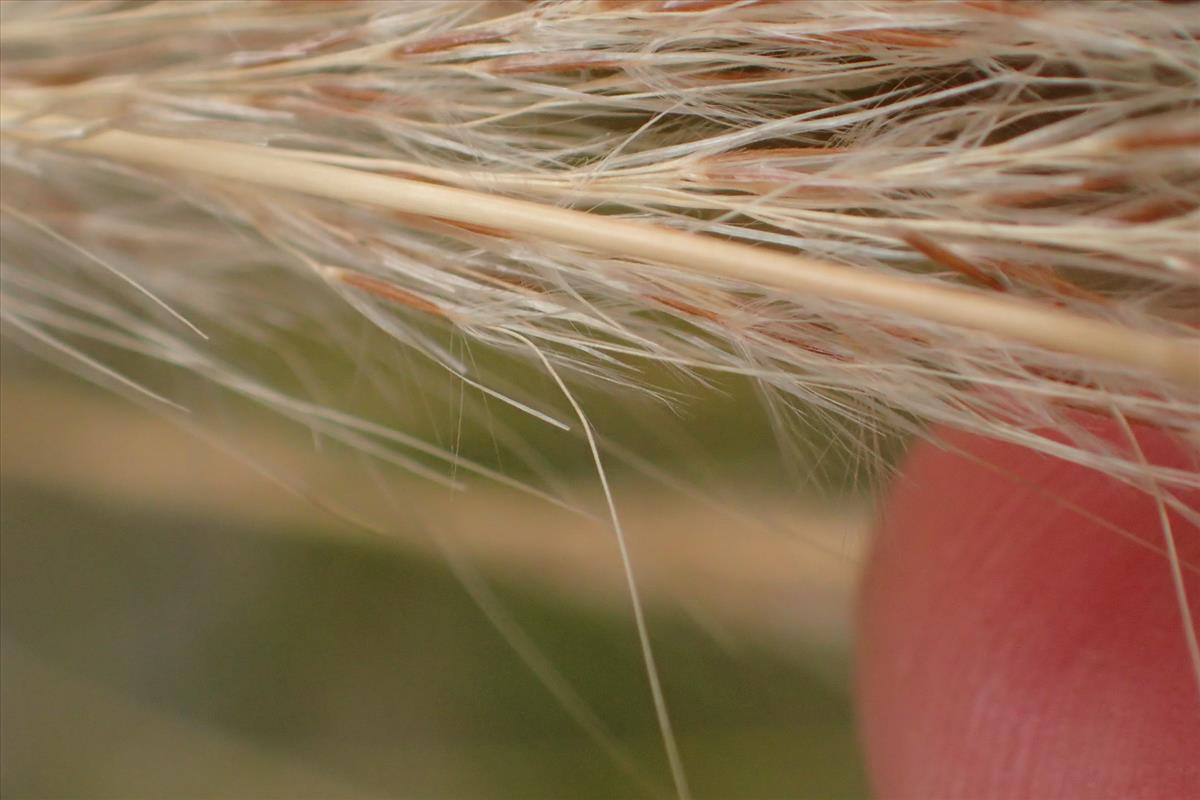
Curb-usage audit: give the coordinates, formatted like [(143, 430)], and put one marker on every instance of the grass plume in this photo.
[(886, 214)]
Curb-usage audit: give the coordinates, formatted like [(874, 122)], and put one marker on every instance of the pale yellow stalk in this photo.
[(1007, 318)]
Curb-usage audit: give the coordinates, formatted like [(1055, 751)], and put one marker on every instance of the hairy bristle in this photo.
[(1045, 152)]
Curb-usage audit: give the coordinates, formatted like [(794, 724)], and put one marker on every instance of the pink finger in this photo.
[(1013, 644)]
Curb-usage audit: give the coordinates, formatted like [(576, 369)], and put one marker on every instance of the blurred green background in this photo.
[(175, 625)]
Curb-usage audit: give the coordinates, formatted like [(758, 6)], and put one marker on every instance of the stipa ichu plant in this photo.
[(976, 214)]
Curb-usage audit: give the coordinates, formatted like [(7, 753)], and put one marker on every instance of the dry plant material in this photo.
[(977, 214)]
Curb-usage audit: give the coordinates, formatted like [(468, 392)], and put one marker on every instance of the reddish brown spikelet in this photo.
[(687, 308), (676, 6), (712, 316), (1157, 209), (941, 255), (1156, 141), (448, 41), (1010, 8), (549, 62), (744, 75), (803, 344), (390, 292), (447, 226), (1044, 277), (317, 44), (892, 36), (523, 285), (1034, 196), (355, 94), (775, 152), (484, 230)]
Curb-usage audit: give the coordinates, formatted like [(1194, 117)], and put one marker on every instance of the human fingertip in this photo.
[(1020, 633)]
